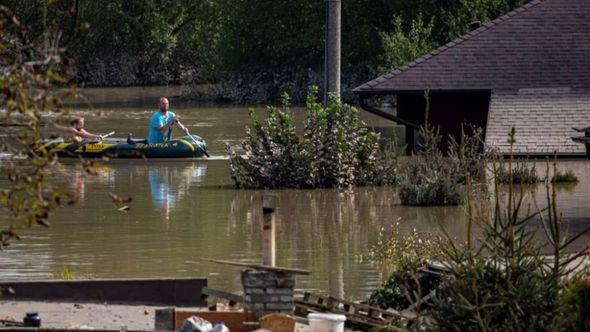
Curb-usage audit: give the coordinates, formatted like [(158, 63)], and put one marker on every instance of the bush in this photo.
[(430, 181), (468, 154), (564, 177), (521, 174), (430, 178), (575, 306), (336, 150), (396, 292), (403, 254)]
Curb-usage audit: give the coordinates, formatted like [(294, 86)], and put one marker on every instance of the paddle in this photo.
[(107, 135), (204, 152)]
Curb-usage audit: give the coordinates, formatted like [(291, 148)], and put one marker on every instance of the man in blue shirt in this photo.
[(161, 123)]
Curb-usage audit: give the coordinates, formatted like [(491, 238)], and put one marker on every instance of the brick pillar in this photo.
[(268, 292)]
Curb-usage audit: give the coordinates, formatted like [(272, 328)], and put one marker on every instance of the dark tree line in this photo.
[(164, 41)]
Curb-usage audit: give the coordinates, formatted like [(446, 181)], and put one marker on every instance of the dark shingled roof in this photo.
[(542, 44)]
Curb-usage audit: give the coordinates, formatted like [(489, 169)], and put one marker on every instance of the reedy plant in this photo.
[(429, 178)]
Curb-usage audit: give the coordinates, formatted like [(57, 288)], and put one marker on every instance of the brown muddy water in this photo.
[(185, 212)]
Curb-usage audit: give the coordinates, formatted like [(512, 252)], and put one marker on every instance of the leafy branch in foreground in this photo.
[(31, 87)]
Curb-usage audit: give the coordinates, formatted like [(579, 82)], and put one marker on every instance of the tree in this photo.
[(31, 86)]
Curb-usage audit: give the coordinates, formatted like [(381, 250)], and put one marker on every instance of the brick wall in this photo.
[(268, 292)]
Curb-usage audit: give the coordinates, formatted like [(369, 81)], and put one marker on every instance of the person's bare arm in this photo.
[(163, 129), (181, 127), (84, 134)]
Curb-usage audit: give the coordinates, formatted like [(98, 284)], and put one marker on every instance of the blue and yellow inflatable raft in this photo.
[(184, 147)]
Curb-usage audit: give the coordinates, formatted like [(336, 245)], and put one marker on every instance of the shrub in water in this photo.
[(520, 174), (430, 181), (467, 154), (336, 150), (430, 178), (564, 177)]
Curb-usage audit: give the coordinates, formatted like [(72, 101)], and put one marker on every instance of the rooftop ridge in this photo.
[(457, 41)]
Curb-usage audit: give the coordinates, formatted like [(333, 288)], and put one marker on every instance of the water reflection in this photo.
[(168, 184)]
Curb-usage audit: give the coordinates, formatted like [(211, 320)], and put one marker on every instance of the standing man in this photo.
[(161, 123)]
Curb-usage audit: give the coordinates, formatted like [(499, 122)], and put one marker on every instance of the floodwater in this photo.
[(183, 213)]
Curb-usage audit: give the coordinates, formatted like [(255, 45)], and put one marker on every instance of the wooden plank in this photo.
[(356, 321), (278, 323), (261, 267), (158, 291), (223, 295), (322, 308)]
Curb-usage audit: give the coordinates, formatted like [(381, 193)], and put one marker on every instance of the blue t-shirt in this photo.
[(158, 120)]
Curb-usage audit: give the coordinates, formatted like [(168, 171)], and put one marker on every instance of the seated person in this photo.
[(161, 123), (76, 132)]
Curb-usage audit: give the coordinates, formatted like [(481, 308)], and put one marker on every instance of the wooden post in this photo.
[(268, 230), (332, 51)]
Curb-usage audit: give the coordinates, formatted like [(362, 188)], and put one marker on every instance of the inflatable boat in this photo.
[(183, 147)]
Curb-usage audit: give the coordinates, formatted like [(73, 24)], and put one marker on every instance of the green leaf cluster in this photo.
[(336, 150), (208, 38), (31, 86)]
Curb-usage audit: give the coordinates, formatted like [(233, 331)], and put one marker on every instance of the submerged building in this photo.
[(529, 69)]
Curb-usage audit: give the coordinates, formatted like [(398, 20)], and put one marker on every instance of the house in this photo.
[(529, 69)]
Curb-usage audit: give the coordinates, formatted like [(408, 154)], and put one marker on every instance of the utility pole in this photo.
[(332, 52)]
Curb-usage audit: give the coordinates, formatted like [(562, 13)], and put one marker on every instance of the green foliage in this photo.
[(505, 280), (574, 306), (336, 150), (66, 274), (458, 14), (401, 47), (564, 177), (468, 154), (205, 39), (31, 86), (403, 254), (521, 173), (430, 178), (397, 290), (393, 250)]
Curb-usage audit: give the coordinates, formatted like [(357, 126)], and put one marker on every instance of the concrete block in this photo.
[(286, 298), (254, 306), (251, 290), (256, 298), (279, 306), (285, 291)]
